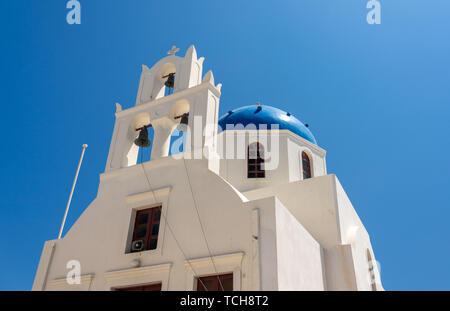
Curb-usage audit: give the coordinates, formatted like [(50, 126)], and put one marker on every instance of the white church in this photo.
[(246, 205)]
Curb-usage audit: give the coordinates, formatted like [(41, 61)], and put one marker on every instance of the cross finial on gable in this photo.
[(173, 50)]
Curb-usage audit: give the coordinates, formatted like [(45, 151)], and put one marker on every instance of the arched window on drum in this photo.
[(255, 161), (306, 165)]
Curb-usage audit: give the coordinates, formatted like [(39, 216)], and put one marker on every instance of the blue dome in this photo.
[(266, 115)]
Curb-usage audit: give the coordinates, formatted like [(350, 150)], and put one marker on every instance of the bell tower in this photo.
[(170, 92)]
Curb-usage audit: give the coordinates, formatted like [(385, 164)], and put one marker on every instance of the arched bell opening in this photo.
[(178, 109), (165, 80), (144, 153), (179, 113), (131, 150)]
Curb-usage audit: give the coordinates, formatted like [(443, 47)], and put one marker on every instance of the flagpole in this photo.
[(71, 191)]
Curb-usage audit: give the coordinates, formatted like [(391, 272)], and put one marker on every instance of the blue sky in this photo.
[(376, 97)]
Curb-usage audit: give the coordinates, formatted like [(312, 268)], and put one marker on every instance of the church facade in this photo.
[(247, 204)]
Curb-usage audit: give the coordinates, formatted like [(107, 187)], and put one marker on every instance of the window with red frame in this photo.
[(223, 282), (147, 288), (306, 163), (255, 161), (146, 228)]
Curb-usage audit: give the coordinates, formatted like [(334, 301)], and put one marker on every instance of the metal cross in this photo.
[(173, 50)]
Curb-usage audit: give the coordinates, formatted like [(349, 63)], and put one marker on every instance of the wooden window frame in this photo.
[(146, 287), (255, 161), (152, 221), (214, 278)]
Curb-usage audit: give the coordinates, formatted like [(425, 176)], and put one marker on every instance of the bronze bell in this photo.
[(182, 127), (170, 82), (142, 140)]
